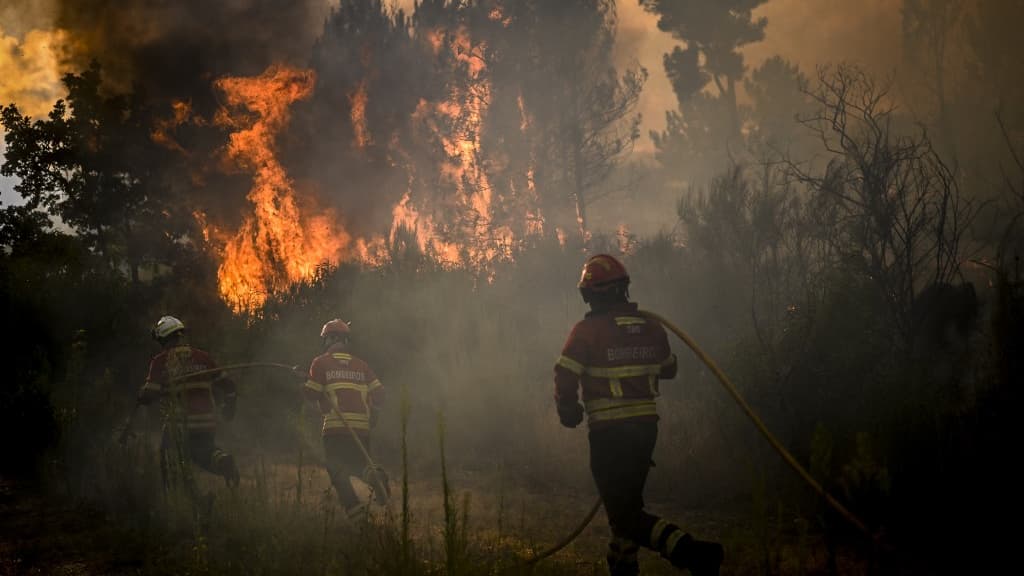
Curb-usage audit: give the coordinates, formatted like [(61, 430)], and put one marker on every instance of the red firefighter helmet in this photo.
[(601, 271), (337, 327)]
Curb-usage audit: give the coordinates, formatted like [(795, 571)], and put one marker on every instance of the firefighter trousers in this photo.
[(344, 460), (620, 457), (179, 447)]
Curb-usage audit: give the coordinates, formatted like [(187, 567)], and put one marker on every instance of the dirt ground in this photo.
[(42, 535)]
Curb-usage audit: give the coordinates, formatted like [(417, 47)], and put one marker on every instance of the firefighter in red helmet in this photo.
[(617, 356), (349, 395)]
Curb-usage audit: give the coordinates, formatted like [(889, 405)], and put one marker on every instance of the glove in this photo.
[(373, 419), (299, 373), (570, 414)]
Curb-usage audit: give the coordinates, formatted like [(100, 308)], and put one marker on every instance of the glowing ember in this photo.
[(626, 239), (181, 114), (357, 114), (407, 217), (524, 117), (280, 243)]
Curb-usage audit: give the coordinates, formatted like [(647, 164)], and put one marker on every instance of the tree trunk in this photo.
[(579, 193), (130, 250)]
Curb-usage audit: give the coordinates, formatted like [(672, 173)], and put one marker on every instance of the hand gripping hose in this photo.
[(727, 384)]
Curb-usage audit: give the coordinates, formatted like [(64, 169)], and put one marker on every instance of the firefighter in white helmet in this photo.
[(189, 404)]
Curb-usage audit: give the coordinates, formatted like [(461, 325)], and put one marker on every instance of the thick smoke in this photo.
[(176, 49)]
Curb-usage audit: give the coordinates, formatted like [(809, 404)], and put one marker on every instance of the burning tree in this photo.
[(467, 129), (281, 243)]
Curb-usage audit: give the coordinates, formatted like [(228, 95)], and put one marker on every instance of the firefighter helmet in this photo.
[(166, 326), (602, 271), (337, 326)]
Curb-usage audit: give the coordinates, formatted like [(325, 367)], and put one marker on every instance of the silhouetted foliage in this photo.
[(90, 164)]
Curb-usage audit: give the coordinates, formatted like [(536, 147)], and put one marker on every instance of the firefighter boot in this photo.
[(358, 515), (700, 557), (225, 466), (622, 560), (202, 510), (231, 475), (376, 478)]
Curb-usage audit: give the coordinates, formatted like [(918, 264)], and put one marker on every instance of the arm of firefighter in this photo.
[(569, 368), (313, 389), (374, 396), (227, 393), (669, 366), (151, 390), (375, 390)]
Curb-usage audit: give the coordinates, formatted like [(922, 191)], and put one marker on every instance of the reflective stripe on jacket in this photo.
[(617, 357), (340, 379), (188, 399)]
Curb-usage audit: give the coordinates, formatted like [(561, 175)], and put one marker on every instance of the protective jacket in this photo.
[(348, 380), (617, 357), (193, 398)]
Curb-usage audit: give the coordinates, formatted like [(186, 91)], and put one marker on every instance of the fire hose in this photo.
[(719, 374), (774, 442), (334, 407), (126, 428)]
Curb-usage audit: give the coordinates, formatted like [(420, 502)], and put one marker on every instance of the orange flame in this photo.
[(407, 217), (497, 15), (280, 243), (562, 237), (626, 240), (357, 114), (458, 123), (286, 241), (181, 112)]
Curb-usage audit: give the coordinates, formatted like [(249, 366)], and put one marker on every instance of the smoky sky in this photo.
[(175, 49)]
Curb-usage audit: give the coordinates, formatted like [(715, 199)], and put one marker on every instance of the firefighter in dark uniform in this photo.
[(189, 405), (617, 356)]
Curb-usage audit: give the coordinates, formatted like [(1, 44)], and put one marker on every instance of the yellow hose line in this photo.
[(570, 537), (362, 448), (228, 367), (726, 383), (835, 504), (126, 429)]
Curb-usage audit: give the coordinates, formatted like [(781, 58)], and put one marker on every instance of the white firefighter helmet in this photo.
[(166, 326)]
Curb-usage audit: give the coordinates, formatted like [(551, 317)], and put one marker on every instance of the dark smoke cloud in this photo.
[(165, 51), (175, 49)]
